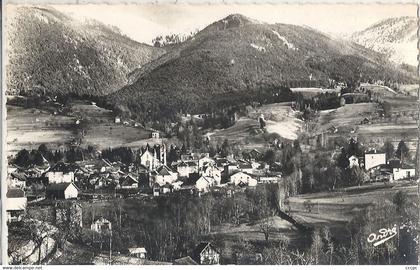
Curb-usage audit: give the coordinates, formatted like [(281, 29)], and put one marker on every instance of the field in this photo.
[(401, 103), (313, 91), (28, 128), (280, 119), (336, 209), (349, 115), (379, 89), (409, 89)]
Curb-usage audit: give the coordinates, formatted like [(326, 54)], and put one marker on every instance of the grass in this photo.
[(335, 209), (280, 120), (28, 128), (348, 115)]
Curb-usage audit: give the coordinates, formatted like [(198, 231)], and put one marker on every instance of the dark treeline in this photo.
[(25, 158), (309, 105)]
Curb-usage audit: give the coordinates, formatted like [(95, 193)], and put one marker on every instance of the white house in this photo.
[(60, 177), (353, 161), (128, 182), (205, 161), (241, 178), (139, 252), (15, 204), (155, 135), (374, 159), (204, 183), (62, 191), (214, 172), (185, 168), (101, 225), (403, 173), (60, 173), (163, 175)]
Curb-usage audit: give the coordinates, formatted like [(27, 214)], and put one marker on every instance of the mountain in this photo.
[(394, 37), (49, 52), (238, 59)]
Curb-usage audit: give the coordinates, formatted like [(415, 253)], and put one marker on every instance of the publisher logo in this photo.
[(383, 235)]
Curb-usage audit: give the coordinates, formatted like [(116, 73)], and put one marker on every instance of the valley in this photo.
[(246, 141)]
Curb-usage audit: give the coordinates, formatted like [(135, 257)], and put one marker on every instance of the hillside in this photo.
[(49, 52), (394, 37), (237, 59)]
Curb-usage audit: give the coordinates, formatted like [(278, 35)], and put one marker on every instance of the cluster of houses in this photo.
[(381, 168), (193, 173), (198, 172)]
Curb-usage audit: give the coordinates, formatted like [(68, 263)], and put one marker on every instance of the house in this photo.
[(60, 173), (138, 252), (374, 159), (162, 175), (128, 182), (155, 135), (185, 168), (205, 254), (101, 225), (103, 165), (353, 161), (404, 172), (254, 154), (242, 179), (394, 162), (365, 121), (117, 120), (381, 173), (205, 161), (185, 261), (62, 191), (269, 179), (17, 180), (15, 204), (214, 172), (204, 183), (245, 167), (159, 189), (230, 168)]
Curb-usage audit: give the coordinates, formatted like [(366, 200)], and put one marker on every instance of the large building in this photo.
[(374, 159)]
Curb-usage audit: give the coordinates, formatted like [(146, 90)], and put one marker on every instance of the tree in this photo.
[(225, 149), (400, 201), (266, 227), (389, 149), (402, 151), (23, 158), (342, 160)]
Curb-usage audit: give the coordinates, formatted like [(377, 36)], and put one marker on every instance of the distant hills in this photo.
[(394, 37), (232, 61), (49, 52), (236, 58)]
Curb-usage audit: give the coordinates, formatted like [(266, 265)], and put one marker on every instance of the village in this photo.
[(61, 187)]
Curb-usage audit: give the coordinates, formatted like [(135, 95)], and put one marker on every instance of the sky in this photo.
[(143, 22)]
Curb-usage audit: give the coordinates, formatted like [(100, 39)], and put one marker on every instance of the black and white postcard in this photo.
[(210, 134)]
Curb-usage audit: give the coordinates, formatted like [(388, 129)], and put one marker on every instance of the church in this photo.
[(153, 157)]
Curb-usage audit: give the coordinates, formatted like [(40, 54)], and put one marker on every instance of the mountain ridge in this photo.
[(50, 52), (394, 37), (236, 57)]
